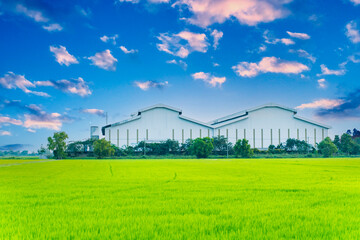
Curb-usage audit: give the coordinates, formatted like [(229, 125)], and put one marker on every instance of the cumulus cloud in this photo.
[(127, 51), (322, 83), (304, 54), (111, 39), (5, 133), (326, 71), (248, 12), (183, 43), (209, 79), (14, 81), (217, 35), (322, 103), (63, 57), (93, 111), (269, 65), (150, 84), (74, 86), (179, 63), (53, 27), (302, 36), (104, 60), (352, 32)]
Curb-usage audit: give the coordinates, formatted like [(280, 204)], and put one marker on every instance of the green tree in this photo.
[(202, 147), (337, 141), (103, 148), (327, 148), (57, 144), (242, 148), (346, 143)]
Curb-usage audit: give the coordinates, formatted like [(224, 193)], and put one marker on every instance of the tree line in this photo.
[(347, 144)]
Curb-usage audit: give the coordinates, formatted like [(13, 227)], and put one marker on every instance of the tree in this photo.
[(327, 148), (346, 143), (242, 148), (202, 147), (42, 150), (337, 141), (103, 148), (57, 144)]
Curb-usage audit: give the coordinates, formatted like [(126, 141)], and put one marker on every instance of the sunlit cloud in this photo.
[(217, 35), (302, 36), (322, 83), (248, 12), (304, 54), (5, 133), (269, 65), (63, 57), (53, 27), (104, 60), (93, 111), (180, 63), (150, 84), (327, 71), (111, 39), (322, 103), (127, 51), (209, 79), (74, 86), (14, 81), (352, 32), (8, 120), (183, 43)]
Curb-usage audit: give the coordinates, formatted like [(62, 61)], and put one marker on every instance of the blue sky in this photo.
[(65, 63)]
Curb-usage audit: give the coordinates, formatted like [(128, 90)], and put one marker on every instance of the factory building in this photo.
[(269, 124)]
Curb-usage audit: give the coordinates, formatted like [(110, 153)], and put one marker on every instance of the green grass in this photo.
[(181, 199)]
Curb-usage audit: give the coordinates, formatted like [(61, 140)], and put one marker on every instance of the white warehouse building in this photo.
[(269, 124)]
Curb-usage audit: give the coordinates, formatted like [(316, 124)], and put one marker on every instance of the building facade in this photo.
[(269, 124)]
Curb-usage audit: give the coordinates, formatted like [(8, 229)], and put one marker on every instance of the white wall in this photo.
[(159, 122), (271, 119)]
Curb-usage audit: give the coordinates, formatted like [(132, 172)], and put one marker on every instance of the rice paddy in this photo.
[(180, 199)]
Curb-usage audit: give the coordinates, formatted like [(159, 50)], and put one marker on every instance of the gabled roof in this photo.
[(245, 112), (312, 122), (160, 106)]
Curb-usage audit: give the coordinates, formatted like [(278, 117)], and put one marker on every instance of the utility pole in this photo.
[(106, 117), (144, 147)]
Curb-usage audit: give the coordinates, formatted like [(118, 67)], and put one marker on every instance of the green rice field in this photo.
[(180, 199)]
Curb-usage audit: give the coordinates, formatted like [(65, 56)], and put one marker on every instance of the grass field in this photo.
[(181, 199)]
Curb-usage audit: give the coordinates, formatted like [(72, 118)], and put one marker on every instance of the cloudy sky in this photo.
[(64, 64)]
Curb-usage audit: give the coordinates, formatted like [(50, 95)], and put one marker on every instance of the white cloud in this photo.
[(322, 103), (104, 60), (322, 83), (217, 35), (272, 40), (302, 36), (180, 63), (53, 27), (248, 12), (326, 71), (5, 133), (50, 121), (13, 81), (269, 65), (126, 51), (63, 57), (8, 120), (74, 86), (36, 15), (304, 54), (111, 39), (94, 111), (262, 48), (209, 79), (172, 43), (31, 130), (352, 32), (150, 84), (356, 2)]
